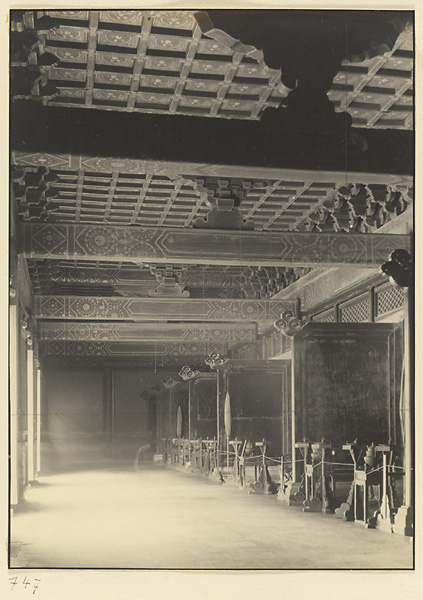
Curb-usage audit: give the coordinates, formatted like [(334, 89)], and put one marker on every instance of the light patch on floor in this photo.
[(159, 518)]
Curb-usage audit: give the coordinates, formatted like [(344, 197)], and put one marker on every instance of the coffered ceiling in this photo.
[(160, 62), (121, 254)]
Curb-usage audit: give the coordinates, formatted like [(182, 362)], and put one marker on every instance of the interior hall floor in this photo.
[(159, 518)]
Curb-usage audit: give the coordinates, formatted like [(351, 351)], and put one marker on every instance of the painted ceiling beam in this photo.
[(171, 363), (227, 333), (159, 309), (320, 285), (209, 247), (236, 147), (79, 348), (187, 170)]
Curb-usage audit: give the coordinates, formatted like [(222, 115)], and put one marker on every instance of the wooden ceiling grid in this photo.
[(154, 61), (158, 62), (118, 198)]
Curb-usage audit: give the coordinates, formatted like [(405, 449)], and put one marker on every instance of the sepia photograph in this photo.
[(211, 319)]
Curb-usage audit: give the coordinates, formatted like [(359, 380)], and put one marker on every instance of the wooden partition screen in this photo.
[(347, 379)]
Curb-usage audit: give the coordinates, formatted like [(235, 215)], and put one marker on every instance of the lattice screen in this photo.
[(327, 316), (389, 300), (355, 313)]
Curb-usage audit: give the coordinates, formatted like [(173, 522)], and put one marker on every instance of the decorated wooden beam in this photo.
[(319, 285), (211, 247), (224, 333), (145, 363), (159, 309), (78, 348), (164, 139), (190, 171)]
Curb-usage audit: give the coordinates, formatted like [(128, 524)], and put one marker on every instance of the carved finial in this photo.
[(289, 324), (399, 268), (186, 373)]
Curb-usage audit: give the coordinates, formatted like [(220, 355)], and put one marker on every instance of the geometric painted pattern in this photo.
[(98, 278), (150, 362), (147, 332), (146, 309), (170, 245), (124, 349)]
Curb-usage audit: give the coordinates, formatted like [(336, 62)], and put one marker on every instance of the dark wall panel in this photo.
[(204, 407), (258, 399), (130, 412), (347, 382), (74, 423)]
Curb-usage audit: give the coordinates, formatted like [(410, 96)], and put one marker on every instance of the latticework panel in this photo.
[(286, 343), (278, 343), (327, 316), (389, 300), (359, 312), (268, 347)]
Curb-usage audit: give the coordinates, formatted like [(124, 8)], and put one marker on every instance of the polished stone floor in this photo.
[(159, 518)]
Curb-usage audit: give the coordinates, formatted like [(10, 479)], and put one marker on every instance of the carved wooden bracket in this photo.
[(169, 382), (28, 57), (223, 197), (33, 192), (359, 208), (169, 279), (289, 324), (215, 361), (399, 268), (156, 389), (186, 373)]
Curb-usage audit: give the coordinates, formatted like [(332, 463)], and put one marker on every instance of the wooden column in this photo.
[(170, 412), (108, 411), (30, 411), (112, 413), (293, 438), (38, 422), (218, 382), (14, 401), (404, 518)]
